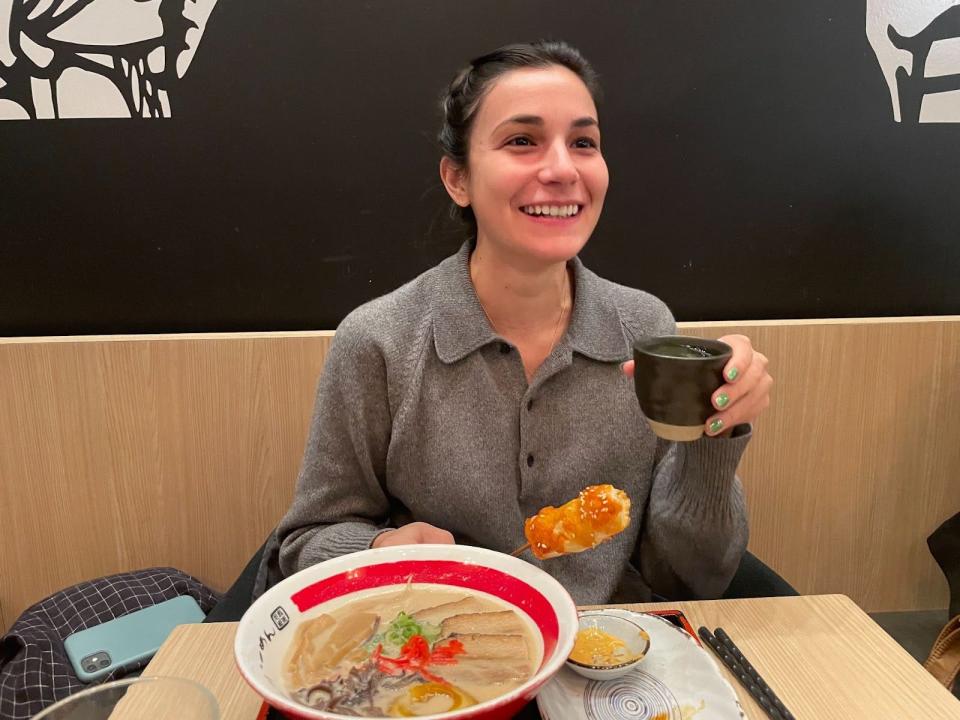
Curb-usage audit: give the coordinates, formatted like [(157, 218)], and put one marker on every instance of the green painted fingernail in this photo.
[(722, 400), (716, 426), (732, 374)]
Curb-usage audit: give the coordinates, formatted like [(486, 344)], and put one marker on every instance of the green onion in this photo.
[(405, 627)]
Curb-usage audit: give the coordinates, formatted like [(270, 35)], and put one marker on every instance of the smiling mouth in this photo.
[(552, 211)]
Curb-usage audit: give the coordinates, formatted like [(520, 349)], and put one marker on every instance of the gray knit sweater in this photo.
[(424, 413)]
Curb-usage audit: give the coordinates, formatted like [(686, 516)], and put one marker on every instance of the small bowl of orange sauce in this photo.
[(607, 646)]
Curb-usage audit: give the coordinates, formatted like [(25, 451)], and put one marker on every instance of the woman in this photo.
[(496, 383)]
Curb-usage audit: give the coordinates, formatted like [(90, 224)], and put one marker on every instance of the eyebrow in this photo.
[(538, 121)]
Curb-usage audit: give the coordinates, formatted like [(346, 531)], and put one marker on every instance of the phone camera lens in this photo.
[(104, 662), (91, 668)]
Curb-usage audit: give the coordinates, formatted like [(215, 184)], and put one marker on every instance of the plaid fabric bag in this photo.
[(34, 669)]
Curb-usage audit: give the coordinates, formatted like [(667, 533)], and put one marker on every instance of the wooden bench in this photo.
[(123, 452)]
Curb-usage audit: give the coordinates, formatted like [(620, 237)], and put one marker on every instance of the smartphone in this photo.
[(133, 638)]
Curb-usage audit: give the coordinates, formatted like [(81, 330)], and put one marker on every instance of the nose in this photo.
[(558, 165)]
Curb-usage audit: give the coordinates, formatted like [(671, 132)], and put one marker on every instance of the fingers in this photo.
[(435, 535), (726, 396), (741, 359), (627, 368), (417, 533), (751, 399), (386, 539)]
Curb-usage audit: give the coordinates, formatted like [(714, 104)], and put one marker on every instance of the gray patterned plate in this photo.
[(678, 680)]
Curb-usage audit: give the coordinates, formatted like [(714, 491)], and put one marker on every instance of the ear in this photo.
[(454, 179)]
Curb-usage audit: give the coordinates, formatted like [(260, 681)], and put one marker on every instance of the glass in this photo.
[(156, 698)]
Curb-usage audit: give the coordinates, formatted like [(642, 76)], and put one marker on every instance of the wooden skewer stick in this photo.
[(519, 551)]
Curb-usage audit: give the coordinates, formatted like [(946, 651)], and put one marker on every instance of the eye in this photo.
[(585, 142), (520, 141)]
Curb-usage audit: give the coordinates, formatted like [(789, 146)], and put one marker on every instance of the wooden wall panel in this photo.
[(126, 452), (858, 458)]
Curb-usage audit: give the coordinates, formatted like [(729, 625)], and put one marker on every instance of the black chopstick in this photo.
[(752, 672), (753, 683)]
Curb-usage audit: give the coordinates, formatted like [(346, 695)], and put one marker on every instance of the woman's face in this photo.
[(536, 178)]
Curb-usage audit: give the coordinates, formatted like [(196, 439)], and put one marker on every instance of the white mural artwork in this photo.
[(917, 43), (96, 58)]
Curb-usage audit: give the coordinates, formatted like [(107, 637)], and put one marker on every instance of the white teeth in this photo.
[(552, 210)]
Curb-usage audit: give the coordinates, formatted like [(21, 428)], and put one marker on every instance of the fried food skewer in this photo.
[(598, 513)]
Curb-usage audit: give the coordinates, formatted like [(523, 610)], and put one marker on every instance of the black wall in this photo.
[(756, 170)]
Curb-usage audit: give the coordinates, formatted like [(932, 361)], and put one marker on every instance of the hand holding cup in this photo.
[(740, 392)]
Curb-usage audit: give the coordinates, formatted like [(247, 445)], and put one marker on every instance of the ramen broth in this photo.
[(422, 650)]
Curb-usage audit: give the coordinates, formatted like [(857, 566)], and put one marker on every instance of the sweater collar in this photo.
[(460, 325)]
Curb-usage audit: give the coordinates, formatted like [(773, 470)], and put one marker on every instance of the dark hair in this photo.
[(462, 98)]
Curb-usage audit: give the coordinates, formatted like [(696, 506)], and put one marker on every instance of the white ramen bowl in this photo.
[(266, 629)]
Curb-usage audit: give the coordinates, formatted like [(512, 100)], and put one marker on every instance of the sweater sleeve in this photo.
[(695, 525), (340, 504), (695, 522)]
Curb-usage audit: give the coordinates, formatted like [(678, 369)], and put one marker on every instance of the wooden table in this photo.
[(823, 656)]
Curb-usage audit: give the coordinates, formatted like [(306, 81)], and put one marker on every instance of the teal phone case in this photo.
[(135, 637)]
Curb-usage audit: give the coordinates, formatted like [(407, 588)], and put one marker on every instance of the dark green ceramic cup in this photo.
[(675, 377)]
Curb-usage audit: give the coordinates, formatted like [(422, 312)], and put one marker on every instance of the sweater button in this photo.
[(529, 460), (504, 348), (529, 405)]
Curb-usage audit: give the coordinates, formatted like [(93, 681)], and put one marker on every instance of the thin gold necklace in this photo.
[(564, 307)]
